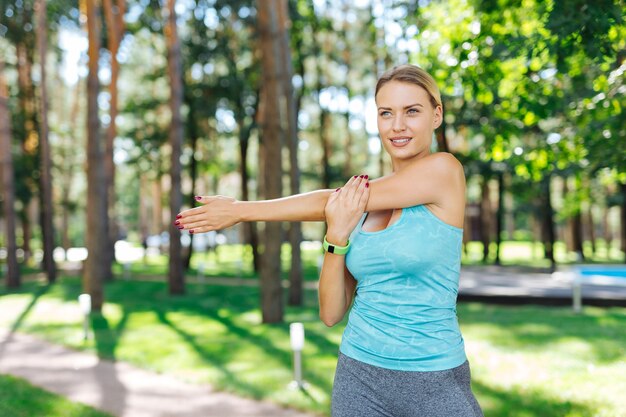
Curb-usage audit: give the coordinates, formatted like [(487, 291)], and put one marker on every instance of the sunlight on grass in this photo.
[(527, 360)]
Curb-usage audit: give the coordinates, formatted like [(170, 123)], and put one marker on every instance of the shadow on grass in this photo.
[(106, 340), (207, 356), (220, 360), (524, 327), (38, 291), (497, 402), (19, 398)]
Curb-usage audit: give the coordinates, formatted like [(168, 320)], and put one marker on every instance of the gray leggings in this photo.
[(363, 390)]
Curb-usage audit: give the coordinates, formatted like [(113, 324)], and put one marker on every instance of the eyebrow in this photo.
[(405, 107)]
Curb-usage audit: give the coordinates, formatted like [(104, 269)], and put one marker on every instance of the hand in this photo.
[(215, 213), (344, 209)]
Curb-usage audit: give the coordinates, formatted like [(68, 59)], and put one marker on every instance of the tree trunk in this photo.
[(45, 166), (24, 51), (97, 267), (324, 115), (326, 146), (193, 167), (347, 60), (250, 229), (157, 209), (500, 217), (272, 138), (485, 218), (8, 183), (548, 222), (68, 145), (623, 219), (577, 235), (289, 107), (577, 226), (115, 24), (176, 273)]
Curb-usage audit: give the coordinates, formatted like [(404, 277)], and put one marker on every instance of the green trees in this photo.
[(533, 94)]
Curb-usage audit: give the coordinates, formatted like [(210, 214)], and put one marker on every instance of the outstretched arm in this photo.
[(219, 212), (437, 179)]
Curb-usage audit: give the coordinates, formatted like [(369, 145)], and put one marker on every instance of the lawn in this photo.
[(18, 398), (526, 360)]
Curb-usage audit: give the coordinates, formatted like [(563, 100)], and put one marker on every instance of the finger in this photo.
[(353, 195), (204, 200), (365, 195), (201, 223), (360, 188), (189, 217), (201, 229), (351, 187)]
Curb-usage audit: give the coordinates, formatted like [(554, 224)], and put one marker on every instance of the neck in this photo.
[(398, 164)]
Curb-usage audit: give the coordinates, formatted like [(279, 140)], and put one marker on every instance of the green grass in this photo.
[(526, 361), (18, 398)]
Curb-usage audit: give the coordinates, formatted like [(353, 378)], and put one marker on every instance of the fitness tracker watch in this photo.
[(337, 250)]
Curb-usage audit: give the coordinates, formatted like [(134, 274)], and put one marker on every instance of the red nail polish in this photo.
[(191, 231), (356, 176), (176, 222), (181, 227), (367, 184), (361, 176), (366, 176), (178, 216), (337, 189)]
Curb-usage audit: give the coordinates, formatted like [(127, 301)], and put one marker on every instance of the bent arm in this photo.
[(435, 179)]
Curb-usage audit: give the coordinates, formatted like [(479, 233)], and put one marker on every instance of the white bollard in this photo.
[(296, 333), (577, 296), (84, 301)]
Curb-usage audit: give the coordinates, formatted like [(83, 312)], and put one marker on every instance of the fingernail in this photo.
[(176, 222), (361, 176), (191, 231), (356, 176), (198, 198), (181, 227), (178, 216), (367, 184), (367, 176), (337, 189)]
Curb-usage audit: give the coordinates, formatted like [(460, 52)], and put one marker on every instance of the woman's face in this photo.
[(406, 120)]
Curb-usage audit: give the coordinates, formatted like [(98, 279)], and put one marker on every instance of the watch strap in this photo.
[(335, 249)]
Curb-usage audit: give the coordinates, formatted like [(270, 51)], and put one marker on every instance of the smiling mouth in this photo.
[(400, 141)]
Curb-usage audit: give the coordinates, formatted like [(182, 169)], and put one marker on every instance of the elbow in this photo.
[(329, 320)]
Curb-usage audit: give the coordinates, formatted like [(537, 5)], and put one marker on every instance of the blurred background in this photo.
[(114, 114)]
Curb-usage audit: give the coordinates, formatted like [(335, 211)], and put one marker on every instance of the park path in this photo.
[(119, 388)]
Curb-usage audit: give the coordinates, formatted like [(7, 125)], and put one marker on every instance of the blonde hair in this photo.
[(412, 74)]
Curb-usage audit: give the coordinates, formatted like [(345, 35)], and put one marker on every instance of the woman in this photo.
[(393, 251)]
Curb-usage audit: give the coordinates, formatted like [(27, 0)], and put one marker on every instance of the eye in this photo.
[(385, 113), (413, 111)]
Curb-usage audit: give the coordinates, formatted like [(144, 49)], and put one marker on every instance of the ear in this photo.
[(438, 117)]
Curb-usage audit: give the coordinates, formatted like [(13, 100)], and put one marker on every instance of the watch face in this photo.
[(331, 249)]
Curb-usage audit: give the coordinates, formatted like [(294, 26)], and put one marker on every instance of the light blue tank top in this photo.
[(404, 311)]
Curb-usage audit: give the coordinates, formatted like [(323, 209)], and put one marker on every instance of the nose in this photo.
[(398, 123)]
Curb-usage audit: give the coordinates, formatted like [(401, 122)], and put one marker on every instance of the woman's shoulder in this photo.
[(444, 160), (443, 165)]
